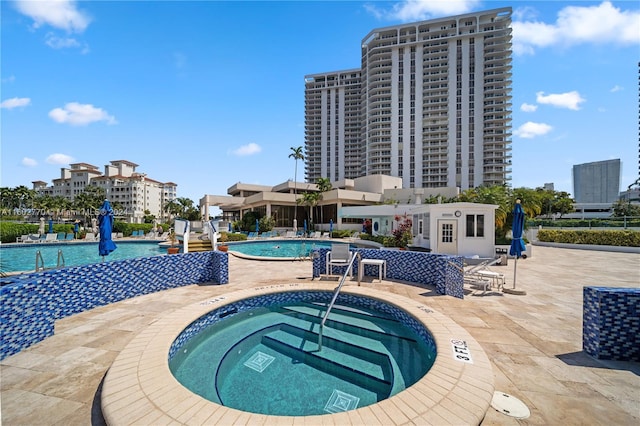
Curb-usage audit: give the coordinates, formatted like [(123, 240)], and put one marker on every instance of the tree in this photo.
[(622, 208), (88, 202), (296, 154), (324, 185), (310, 199)]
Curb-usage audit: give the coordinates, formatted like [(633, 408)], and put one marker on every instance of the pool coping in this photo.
[(139, 387)]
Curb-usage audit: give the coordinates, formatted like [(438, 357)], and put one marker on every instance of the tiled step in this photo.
[(369, 369)]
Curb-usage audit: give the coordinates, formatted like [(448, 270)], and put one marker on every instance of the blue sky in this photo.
[(209, 93)]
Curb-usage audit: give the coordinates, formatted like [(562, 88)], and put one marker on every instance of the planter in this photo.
[(173, 250), (223, 248)]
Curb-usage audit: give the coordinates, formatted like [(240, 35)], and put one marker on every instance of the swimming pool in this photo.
[(21, 258), (277, 249), (144, 375), (371, 351)]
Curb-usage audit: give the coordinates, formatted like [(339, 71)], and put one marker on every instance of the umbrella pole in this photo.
[(513, 290)]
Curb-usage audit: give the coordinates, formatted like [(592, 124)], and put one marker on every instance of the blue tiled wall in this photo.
[(413, 266), (30, 303), (611, 323)]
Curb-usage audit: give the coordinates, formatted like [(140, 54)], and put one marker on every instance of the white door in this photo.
[(447, 236)]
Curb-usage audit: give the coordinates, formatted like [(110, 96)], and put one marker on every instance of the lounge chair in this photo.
[(135, 234), (23, 239), (481, 276), (290, 234), (90, 236), (61, 236), (51, 238), (70, 236), (340, 255)]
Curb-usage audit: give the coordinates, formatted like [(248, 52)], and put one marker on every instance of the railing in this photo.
[(60, 263), (39, 261), (335, 296)]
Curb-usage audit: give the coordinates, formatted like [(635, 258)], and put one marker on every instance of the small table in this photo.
[(380, 263)]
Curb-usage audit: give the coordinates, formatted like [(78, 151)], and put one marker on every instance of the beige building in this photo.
[(133, 191), (279, 201)]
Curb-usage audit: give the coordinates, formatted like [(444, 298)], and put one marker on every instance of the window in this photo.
[(475, 225)]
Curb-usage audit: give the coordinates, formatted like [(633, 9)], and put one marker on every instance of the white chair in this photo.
[(340, 255)]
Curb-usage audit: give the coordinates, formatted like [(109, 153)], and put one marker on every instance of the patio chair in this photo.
[(90, 236), (61, 236), (340, 255), (481, 275), (51, 238), (70, 236)]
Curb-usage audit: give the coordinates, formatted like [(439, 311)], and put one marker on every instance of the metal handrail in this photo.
[(335, 296), (40, 261), (60, 257)]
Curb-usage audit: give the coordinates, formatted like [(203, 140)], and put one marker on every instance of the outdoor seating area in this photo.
[(481, 276)]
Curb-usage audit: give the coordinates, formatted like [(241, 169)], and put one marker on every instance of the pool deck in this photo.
[(534, 341)]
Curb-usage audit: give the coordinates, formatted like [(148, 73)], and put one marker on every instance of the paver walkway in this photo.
[(534, 341)]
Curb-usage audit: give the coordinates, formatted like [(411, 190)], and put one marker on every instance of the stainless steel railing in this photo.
[(335, 296)]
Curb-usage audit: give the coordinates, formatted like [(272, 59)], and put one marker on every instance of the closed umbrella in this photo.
[(51, 226), (305, 226), (229, 226), (105, 224), (330, 226), (257, 226), (41, 227), (76, 228), (517, 243)]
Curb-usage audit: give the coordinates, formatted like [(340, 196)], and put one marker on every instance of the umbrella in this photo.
[(230, 227), (94, 225), (51, 226), (305, 226), (41, 227), (257, 226), (105, 221), (517, 244), (330, 226), (76, 228), (154, 228)]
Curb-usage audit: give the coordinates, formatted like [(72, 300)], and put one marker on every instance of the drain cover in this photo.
[(510, 405)]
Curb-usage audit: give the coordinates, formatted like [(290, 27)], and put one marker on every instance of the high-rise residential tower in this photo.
[(431, 104)]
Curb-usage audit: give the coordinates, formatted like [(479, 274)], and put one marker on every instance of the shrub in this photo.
[(624, 238)]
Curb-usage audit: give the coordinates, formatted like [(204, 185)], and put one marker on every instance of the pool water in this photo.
[(278, 248), (23, 258), (266, 360)]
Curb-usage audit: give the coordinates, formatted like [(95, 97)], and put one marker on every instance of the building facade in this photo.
[(597, 182), (132, 191), (431, 104)]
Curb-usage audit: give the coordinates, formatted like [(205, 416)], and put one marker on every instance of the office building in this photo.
[(431, 104), (597, 182)]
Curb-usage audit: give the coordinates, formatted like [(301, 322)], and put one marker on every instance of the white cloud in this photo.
[(599, 24), (80, 114), (63, 159), (29, 162), (530, 130), (61, 14), (570, 100), (15, 103), (56, 42), (249, 149), (9, 79), (616, 88), (528, 107), (417, 10)]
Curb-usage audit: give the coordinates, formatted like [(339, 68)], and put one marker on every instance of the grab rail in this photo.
[(40, 261), (335, 296), (60, 256)]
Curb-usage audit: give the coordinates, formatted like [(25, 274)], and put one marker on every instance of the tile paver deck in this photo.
[(534, 343)]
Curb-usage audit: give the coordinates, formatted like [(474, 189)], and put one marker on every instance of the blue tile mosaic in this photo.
[(31, 303), (611, 323), (442, 271), (293, 296)]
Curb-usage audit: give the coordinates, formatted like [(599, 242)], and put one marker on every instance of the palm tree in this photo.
[(296, 154), (311, 200), (324, 185)]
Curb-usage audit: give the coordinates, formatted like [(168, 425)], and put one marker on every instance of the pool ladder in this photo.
[(335, 296), (40, 261)]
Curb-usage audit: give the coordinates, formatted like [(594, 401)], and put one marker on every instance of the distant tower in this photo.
[(597, 182)]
